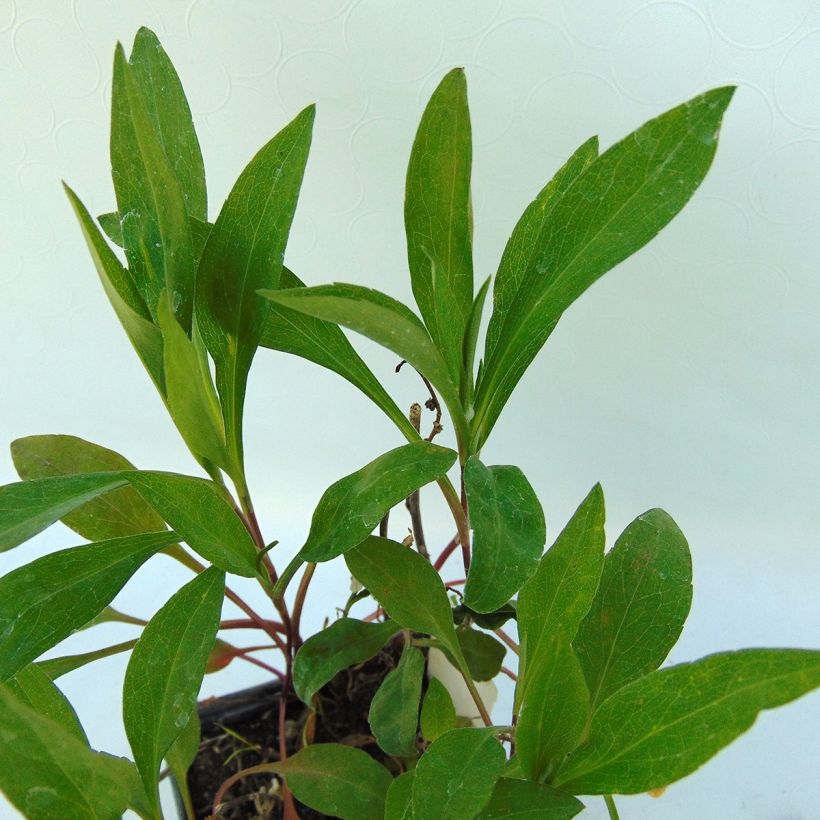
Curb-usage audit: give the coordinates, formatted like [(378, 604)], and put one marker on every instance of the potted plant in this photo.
[(362, 719)]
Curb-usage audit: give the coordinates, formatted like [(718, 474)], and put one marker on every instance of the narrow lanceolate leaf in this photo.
[(640, 607), (407, 586), (559, 595), (181, 755), (46, 772), (344, 643), (523, 800), (325, 344), (470, 344), (170, 116), (191, 396), (394, 710), (57, 667), (437, 218), (202, 516), (665, 725), (35, 689), (28, 507), (123, 294), (399, 804), (340, 781), (438, 714), (150, 199), (165, 672), (45, 601), (456, 775), (116, 513), (553, 711), (351, 508), (382, 319), (509, 533), (244, 253), (610, 210)]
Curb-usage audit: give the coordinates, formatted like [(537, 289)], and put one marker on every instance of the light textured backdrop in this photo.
[(687, 378)]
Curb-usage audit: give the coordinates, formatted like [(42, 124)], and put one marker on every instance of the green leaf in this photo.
[(33, 688), (340, 781), (456, 775), (351, 508), (326, 345), (192, 399), (437, 218), (486, 620), (111, 615), (664, 726), (483, 653), (110, 223), (244, 253), (509, 533), (554, 708), (382, 319), (640, 607), (470, 344), (522, 800), (170, 116), (559, 595), (116, 513), (165, 672), (399, 805), (344, 643), (150, 199), (608, 211), (202, 516), (394, 710), (181, 755), (43, 602), (48, 773), (126, 300), (57, 667), (438, 714), (407, 586)]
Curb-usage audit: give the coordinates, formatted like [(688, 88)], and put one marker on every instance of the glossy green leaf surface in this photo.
[(470, 344), (150, 198), (382, 319), (640, 607), (437, 218), (191, 396), (340, 781), (560, 593), (554, 708), (123, 294), (33, 688), (116, 513), (244, 253), (202, 516), (344, 643), (48, 773), (28, 507), (608, 211), (663, 726), (484, 653), (165, 672), (394, 710), (438, 714), (508, 533), (57, 667), (45, 601), (325, 344), (456, 775), (170, 116), (399, 804), (524, 800), (407, 586), (352, 507)]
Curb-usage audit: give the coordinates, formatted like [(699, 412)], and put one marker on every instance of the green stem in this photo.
[(482, 709), (610, 805)]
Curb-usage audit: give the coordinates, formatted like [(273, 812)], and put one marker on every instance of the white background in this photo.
[(687, 378)]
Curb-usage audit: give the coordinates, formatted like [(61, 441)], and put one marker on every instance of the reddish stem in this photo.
[(247, 623), (446, 553)]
